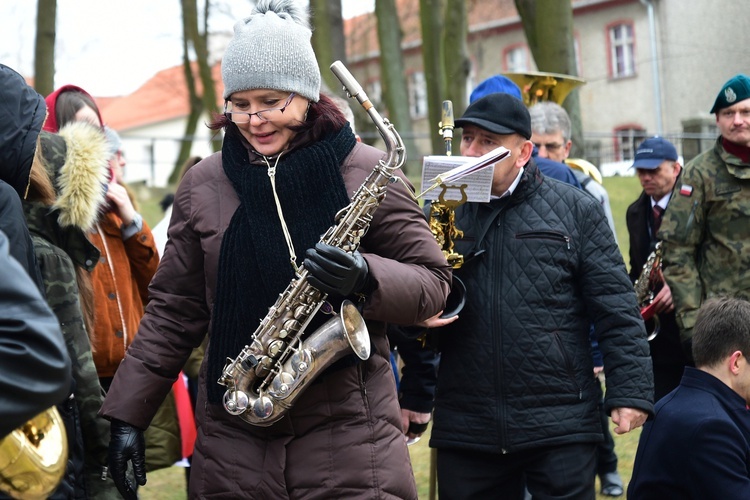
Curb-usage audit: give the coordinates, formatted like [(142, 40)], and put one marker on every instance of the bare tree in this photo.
[(392, 70), (328, 39), (430, 16), (196, 110), (199, 43), (44, 48), (456, 54), (548, 25)]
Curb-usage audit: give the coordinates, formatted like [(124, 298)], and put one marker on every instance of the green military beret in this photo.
[(735, 90)]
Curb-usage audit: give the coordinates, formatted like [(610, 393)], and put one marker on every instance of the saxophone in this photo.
[(271, 372), (646, 286)]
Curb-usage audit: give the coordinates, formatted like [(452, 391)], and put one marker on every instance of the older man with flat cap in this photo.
[(705, 232), (516, 403)]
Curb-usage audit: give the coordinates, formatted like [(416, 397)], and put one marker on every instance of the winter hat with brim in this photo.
[(22, 112), (498, 113), (271, 50)]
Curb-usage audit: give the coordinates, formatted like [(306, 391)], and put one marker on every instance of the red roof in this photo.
[(163, 97)]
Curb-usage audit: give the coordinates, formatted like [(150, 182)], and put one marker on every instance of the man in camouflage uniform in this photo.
[(705, 230)]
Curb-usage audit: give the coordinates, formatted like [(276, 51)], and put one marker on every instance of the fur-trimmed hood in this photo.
[(77, 160)]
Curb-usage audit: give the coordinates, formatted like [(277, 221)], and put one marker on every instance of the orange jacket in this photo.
[(120, 280)]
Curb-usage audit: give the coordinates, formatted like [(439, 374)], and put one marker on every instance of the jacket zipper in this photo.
[(544, 235), (497, 342), (568, 365)]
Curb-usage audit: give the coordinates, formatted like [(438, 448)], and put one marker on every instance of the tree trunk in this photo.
[(392, 73), (328, 39), (456, 56), (44, 48), (198, 40), (196, 110), (557, 52), (430, 16)]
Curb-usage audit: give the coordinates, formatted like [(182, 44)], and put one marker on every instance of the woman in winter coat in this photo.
[(242, 220)]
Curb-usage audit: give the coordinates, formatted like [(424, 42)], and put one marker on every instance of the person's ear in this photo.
[(735, 361), (568, 144), (527, 147)]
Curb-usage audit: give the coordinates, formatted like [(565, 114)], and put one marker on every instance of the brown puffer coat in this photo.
[(342, 439)]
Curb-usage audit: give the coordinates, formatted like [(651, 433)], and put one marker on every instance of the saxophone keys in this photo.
[(281, 385), (235, 402), (263, 407), (301, 361)]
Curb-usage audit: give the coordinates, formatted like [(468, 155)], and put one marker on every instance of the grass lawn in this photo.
[(169, 484)]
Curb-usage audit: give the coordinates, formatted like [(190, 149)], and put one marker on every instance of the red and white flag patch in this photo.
[(686, 190)]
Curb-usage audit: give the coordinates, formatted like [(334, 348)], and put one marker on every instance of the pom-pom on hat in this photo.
[(735, 90), (271, 50)]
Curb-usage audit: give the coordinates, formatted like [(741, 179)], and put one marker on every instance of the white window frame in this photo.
[(622, 50)]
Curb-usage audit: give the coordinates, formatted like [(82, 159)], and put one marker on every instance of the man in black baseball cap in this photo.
[(498, 120), (516, 404)]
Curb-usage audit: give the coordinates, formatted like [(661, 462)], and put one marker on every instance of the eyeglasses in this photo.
[(549, 146), (264, 114)]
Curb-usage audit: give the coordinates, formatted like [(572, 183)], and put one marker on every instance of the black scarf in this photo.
[(254, 265)]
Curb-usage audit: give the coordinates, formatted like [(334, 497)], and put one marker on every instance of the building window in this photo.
[(627, 140), (417, 95), (375, 92), (621, 50), (516, 59)]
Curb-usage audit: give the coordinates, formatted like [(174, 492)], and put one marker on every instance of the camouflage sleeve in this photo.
[(61, 287), (681, 232)]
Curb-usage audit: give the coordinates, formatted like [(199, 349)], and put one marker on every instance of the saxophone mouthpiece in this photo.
[(446, 123)]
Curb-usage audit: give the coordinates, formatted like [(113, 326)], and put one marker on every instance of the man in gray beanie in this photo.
[(242, 220)]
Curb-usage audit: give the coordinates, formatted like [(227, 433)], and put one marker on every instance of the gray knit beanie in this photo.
[(271, 50)]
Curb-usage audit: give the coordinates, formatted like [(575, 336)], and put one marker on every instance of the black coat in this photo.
[(540, 267), (666, 350), (697, 446)]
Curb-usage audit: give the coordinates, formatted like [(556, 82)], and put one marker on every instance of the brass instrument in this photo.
[(443, 221), (269, 375), (538, 86), (646, 286), (34, 456)]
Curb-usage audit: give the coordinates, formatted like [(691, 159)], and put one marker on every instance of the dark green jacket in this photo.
[(706, 251)]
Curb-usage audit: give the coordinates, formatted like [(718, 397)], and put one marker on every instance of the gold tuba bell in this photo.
[(539, 86), (33, 457)]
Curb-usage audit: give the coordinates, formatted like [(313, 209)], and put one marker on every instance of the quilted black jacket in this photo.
[(516, 368)]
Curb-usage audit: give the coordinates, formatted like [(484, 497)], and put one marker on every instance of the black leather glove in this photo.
[(126, 443), (334, 271)]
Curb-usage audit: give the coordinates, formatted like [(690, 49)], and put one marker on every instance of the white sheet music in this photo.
[(478, 184)]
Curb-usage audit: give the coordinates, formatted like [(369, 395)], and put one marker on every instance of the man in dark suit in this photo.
[(697, 446), (658, 168)]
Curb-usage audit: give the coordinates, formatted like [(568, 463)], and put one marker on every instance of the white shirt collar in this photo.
[(663, 202), (511, 188)]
